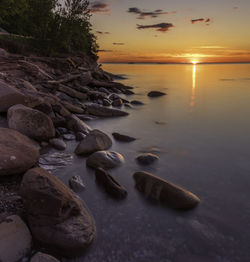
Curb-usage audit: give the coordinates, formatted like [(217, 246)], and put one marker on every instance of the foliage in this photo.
[(53, 26)]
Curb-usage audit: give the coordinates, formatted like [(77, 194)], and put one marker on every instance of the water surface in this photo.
[(201, 132)]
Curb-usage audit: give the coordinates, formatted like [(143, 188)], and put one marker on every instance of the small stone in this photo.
[(123, 138), (69, 137), (147, 158), (76, 183), (58, 143), (117, 103), (136, 102), (156, 94)]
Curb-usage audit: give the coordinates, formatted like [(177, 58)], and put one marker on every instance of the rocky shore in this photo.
[(45, 102)]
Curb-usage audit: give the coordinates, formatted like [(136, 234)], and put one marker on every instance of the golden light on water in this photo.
[(192, 98)]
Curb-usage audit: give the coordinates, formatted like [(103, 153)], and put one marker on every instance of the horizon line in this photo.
[(178, 63)]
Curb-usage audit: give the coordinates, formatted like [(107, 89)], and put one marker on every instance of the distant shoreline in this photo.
[(158, 63)]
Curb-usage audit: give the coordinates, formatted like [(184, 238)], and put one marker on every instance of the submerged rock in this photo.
[(156, 94), (76, 183), (98, 110), (159, 189), (147, 158), (54, 161), (58, 143), (110, 184), (136, 103), (123, 138), (105, 159), (15, 239), (41, 257), (17, 152), (9, 96), (94, 141), (31, 122), (56, 216)]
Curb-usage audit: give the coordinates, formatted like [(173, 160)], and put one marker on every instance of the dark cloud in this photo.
[(102, 33), (201, 20), (162, 27), (143, 14), (118, 43), (99, 7)]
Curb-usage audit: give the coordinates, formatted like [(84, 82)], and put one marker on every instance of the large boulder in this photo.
[(157, 188), (15, 239), (56, 216), (31, 122), (41, 257), (105, 160), (9, 96), (94, 141), (98, 110), (17, 152)]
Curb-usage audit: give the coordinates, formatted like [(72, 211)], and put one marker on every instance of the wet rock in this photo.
[(17, 152), (15, 239), (55, 161), (9, 96), (110, 185), (71, 92), (136, 103), (69, 137), (98, 110), (128, 92), (84, 117), (41, 257), (57, 217), (159, 189), (147, 158), (94, 141), (80, 136), (58, 143), (77, 125), (73, 108), (106, 102), (156, 94), (62, 130), (117, 103), (31, 122), (76, 183), (123, 138), (105, 159)]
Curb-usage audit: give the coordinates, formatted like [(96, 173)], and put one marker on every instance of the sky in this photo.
[(176, 31)]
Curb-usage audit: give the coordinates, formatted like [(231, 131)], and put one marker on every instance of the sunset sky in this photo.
[(172, 31)]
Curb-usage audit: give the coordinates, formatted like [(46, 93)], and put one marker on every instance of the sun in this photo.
[(194, 62)]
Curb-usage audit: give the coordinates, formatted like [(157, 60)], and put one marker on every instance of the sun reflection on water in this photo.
[(192, 99)]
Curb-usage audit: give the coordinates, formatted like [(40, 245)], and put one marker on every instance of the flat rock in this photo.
[(123, 138), (17, 152), (9, 96), (15, 239), (55, 161), (57, 217), (76, 183), (41, 257), (156, 94), (105, 160), (159, 189), (31, 122), (147, 158), (110, 185), (58, 143), (98, 110), (94, 141)]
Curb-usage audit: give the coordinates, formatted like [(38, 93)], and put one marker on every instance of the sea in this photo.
[(201, 132)]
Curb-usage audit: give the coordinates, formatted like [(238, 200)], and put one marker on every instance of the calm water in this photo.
[(201, 132)]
